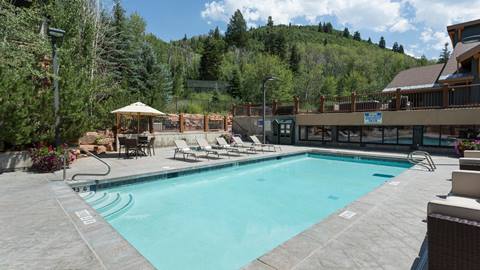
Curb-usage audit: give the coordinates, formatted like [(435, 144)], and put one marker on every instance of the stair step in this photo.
[(98, 199), (86, 195), (120, 208), (112, 202)]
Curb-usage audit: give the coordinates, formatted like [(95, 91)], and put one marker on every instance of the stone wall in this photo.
[(10, 161)]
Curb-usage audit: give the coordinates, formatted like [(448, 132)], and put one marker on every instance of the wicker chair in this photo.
[(454, 225)]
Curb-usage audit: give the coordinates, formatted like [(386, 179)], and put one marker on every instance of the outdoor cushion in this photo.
[(470, 161), (471, 154), (455, 206), (466, 183)]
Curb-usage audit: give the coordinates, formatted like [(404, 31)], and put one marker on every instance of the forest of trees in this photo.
[(107, 60)]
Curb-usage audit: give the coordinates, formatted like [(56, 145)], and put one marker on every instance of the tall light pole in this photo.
[(265, 80), (56, 36)]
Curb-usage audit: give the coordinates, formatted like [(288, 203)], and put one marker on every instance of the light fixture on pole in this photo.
[(56, 36), (265, 80)]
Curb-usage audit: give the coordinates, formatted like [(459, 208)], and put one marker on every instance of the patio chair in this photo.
[(121, 144), (151, 146), (470, 161), (144, 145), (184, 149), (454, 225), (222, 144), (257, 142), (237, 142), (205, 146), (131, 147)]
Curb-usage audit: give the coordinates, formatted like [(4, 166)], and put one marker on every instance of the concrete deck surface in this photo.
[(39, 228)]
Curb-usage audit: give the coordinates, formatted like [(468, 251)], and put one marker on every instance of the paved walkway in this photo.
[(40, 230)]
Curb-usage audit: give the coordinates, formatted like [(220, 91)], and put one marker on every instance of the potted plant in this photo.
[(462, 145)]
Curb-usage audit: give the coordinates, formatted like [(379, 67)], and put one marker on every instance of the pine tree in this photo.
[(423, 60), (210, 60), (235, 84), (270, 22), (320, 28), (395, 47), (369, 41), (356, 36), (401, 49), (216, 34), (346, 33), (328, 28), (382, 43), (236, 34), (444, 55), (295, 59)]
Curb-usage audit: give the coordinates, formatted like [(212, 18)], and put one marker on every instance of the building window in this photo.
[(315, 133), (431, 135), (390, 135), (372, 134), (405, 135), (349, 134), (446, 136)]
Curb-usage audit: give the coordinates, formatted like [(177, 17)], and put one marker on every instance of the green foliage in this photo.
[(211, 59), (236, 34), (444, 55), (382, 43), (295, 59), (346, 33), (356, 36)]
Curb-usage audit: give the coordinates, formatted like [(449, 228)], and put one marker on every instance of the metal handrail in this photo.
[(425, 161), (93, 174)]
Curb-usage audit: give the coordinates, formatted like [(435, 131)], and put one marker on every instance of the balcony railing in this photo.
[(420, 99)]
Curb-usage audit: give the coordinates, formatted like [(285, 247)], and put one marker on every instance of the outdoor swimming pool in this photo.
[(225, 218)]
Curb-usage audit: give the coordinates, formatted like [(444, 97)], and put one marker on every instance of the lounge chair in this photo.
[(454, 225), (237, 142), (257, 142), (205, 146), (222, 144), (470, 161), (184, 149)]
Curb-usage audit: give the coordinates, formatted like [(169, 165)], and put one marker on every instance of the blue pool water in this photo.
[(225, 218)]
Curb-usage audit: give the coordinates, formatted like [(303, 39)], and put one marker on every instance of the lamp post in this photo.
[(265, 80), (56, 36)]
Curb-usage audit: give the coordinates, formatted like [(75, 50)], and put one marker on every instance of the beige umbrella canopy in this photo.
[(136, 109)]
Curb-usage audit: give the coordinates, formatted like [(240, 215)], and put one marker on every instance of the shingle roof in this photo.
[(451, 68), (415, 78)]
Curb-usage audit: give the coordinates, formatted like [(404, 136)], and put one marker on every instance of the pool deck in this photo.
[(39, 227)]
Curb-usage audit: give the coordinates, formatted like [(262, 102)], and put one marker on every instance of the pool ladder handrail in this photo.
[(425, 160), (93, 174)]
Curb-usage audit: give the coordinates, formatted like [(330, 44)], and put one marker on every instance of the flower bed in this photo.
[(462, 145), (48, 158)]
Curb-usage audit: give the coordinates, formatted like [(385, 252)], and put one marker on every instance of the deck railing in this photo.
[(420, 99)]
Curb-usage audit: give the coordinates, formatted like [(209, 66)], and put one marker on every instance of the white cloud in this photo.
[(377, 15), (434, 39)]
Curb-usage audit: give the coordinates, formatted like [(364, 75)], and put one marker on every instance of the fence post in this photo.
[(274, 107), (398, 101), (353, 107), (205, 122), (249, 109), (321, 109), (225, 123), (445, 96), (296, 104), (181, 123)]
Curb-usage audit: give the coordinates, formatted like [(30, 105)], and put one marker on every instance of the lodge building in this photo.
[(428, 107)]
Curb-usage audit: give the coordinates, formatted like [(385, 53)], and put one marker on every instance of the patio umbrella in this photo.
[(137, 109)]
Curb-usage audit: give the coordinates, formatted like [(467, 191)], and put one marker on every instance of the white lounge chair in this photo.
[(184, 149), (257, 142), (205, 146), (238, 142), (222, 143)]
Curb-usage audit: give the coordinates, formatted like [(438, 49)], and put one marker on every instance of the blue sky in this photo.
[(420, 25)]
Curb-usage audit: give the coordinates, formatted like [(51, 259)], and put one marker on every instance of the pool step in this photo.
[(127, 202), (109, 205), (98, 198)]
